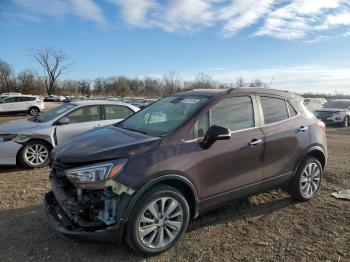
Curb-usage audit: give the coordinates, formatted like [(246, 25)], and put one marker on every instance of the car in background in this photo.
[(144, 178), (315, 103), (335, 112), (31, 140), (32, 105), (10, 94)]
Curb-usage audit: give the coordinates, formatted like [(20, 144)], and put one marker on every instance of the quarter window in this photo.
[(291, 110), (117, 112), (84, 114), (274, 109)]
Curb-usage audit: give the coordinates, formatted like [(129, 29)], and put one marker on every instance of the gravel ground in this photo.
[(266, 227)]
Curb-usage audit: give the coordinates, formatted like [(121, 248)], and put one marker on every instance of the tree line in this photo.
[(54, 65)]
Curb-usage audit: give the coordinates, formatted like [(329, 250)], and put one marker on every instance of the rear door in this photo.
[(286, 138), (9, 104), (115, 113), (24, 102), (230, 168), (80, 120)]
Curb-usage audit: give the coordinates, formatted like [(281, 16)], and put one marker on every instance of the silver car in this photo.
[(335, 112), (30, 140)]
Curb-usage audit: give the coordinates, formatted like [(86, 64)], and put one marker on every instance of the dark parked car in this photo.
[(148, 176)]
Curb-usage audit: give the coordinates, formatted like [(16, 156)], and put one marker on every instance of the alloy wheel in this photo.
[(160, 222), (34, 111), (36, 154), (310, 180)]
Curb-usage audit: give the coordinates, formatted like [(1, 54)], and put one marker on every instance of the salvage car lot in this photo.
[(270, 226)]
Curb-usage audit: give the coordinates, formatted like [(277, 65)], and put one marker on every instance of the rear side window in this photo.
[(116, 112), (84, 114), (26, 99), (274, 109)]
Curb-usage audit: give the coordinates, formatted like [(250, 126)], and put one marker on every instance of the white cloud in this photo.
[(285, 19), (312, 78), (86, 9), (311, 20)]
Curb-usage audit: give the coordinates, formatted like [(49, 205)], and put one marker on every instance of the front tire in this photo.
[(307, 180), (158, 220), (35, 154)]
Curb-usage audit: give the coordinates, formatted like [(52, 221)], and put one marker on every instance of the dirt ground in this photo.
[(267, 227)]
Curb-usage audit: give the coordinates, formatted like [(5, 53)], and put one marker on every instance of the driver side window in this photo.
[(84, 114), (234, 113)]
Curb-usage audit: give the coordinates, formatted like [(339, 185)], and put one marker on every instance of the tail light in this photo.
[(321, 124)]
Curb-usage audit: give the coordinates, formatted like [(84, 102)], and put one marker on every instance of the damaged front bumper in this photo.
[(60, 222), (86, 215)]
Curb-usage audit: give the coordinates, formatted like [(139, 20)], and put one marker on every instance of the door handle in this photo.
[(255, 142), (303, 128)]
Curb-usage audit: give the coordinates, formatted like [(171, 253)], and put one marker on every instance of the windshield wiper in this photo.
[(134, 130)]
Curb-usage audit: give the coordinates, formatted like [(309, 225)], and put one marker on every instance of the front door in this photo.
[(81, 120), (10, 104), (230, 168)]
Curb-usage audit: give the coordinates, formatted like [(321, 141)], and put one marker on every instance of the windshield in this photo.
[(337, 104), (165, 115), (2, 97), (53, 113)]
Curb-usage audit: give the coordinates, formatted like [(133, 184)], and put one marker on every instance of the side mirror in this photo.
[(213, 134), (62, 121)]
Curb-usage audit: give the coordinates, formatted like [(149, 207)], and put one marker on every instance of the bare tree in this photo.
[(172, 83), (53, 63), (6, 76)]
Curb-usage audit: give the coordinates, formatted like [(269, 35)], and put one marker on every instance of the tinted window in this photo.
[(234, 113), (84, 114), (274, 109), (25, 98), (11, 99), (117, 112), (292, 111)]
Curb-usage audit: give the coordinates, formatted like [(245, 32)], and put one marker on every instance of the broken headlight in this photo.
[(95, 173)]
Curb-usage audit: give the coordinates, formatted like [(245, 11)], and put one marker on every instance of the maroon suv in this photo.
[(145, 178)]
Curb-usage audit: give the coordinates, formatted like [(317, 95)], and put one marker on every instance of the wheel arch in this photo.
[(316, 151), (181, 183), (33, 139)]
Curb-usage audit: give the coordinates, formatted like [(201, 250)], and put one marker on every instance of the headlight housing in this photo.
[(95, 173), (7, 137)]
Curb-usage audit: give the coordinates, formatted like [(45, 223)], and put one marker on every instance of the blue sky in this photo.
[(302, 44)]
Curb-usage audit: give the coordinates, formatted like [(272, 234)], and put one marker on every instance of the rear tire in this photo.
[(307, 180), (158, 220), (35, 154), (34, 111)]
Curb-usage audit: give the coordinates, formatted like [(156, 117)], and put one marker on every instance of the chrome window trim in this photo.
[(250, 128)]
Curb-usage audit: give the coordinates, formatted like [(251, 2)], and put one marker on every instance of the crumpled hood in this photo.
[(15, 126), (103, 144), (330, 110)]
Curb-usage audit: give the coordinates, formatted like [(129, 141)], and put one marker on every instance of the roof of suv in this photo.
[(98, 102), (219, 91)]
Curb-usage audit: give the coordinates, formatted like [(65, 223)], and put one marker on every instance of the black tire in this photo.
[(31, 144), (346, 122), (132, 229), (34, 111), (296, 187)]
